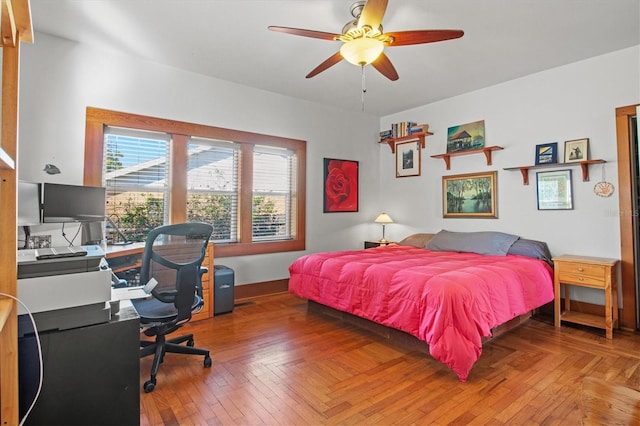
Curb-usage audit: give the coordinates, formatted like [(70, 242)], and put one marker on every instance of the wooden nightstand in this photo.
[(584, 271), (376, 243)]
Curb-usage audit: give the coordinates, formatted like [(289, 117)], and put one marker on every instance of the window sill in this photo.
[(244, 249)]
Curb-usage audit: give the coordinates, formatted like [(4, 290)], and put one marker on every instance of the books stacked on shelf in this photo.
[(404, 128), (419, 128)]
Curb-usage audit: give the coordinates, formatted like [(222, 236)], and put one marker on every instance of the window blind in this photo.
[(212, 186), (136, 170), (273, 193)]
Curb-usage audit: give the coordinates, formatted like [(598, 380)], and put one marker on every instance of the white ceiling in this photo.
[(228, 39)]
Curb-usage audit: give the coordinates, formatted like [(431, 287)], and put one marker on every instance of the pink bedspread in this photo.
[(450, 300)]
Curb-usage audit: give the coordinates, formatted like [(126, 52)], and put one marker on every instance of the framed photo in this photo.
[(408, 159), (547, 153), (576, 150), (554, 190), (340, 185), (470, 195), (465, 137)]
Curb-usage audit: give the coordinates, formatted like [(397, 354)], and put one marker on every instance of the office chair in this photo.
[(173, 256)]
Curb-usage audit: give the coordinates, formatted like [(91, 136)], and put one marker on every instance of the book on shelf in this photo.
[(403, 128)]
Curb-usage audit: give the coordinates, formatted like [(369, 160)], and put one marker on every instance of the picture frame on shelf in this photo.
[(547, 153), (408, 159), (465, 137), (340, 185), (554, 190), (576, 150), (470, 195)]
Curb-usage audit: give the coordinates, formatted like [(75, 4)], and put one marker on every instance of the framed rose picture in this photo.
[(470, 195), (340, 185), (408, 159)]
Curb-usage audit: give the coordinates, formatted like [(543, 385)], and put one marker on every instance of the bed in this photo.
[(449, 289)]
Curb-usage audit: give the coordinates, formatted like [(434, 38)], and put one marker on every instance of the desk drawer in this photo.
[(585, 269)]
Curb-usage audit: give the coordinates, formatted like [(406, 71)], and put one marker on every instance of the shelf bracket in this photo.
[(487, 153)]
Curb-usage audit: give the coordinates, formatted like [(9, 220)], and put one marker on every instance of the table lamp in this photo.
[(383, 218)]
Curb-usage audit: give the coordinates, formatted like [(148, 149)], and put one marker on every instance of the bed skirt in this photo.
[(398, 337)]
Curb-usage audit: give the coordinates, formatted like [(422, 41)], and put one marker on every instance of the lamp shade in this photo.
[(362, 51), (383, 218)]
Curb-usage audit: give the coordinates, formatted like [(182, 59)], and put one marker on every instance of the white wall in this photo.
[(571, 102), (59, 79)]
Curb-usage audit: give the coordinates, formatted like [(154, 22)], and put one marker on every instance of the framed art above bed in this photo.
[(408, 159), (470, 195)]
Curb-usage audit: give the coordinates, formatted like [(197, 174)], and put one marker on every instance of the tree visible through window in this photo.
[(136, 179)]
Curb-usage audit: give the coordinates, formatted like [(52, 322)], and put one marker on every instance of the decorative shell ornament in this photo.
[(603, 189)]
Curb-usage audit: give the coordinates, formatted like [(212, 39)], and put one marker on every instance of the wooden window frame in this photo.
[(97, 119)]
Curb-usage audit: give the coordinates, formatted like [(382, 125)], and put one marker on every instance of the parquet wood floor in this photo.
[(274, 363)]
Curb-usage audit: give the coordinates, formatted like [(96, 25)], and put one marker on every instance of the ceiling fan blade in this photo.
[(331, 61), (306, 33), (405, 38), (385, 67), (372, 14)]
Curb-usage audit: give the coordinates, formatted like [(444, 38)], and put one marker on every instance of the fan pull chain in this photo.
[(364, 88)]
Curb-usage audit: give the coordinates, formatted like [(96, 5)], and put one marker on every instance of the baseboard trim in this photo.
[(265, 288)]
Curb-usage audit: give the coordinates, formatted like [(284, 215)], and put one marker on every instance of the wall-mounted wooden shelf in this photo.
[(486, 150), (416, 136), (583, 164)]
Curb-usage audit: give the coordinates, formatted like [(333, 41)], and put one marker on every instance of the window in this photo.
[(249, 186), (212, 187), (136, 176), (273, 193)]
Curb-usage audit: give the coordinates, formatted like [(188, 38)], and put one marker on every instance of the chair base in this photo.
[(161, 346)]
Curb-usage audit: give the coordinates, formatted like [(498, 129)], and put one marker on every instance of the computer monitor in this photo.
[(72, 203), (28, 203)]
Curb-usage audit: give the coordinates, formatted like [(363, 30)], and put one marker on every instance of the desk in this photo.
[(91, 374)]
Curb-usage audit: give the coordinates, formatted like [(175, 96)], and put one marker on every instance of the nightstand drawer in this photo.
[(581, 279), (575, 268)]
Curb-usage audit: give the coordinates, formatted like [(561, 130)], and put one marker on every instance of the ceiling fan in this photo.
[(364, 40)]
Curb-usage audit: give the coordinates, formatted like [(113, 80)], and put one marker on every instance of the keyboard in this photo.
[(57, 252)]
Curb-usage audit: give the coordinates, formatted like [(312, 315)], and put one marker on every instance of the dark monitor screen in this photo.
[(28, 203), (72, 203)]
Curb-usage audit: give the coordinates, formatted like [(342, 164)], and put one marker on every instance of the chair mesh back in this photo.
[(173, 257)]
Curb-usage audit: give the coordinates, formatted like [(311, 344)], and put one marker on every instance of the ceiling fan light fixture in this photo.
[(362, 51)]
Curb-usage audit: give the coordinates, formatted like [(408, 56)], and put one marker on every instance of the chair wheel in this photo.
[(190, 342), (207, 361), (149, 386)]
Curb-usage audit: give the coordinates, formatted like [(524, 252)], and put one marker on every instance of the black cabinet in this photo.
[(91, 374), (371, 244)]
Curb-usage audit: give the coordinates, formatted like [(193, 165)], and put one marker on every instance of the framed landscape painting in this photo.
[(470, 195), (465, 137), (340, 185)]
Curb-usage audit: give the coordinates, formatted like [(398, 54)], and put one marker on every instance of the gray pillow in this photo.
[(487, 242), (416, 240), (531, 248)]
